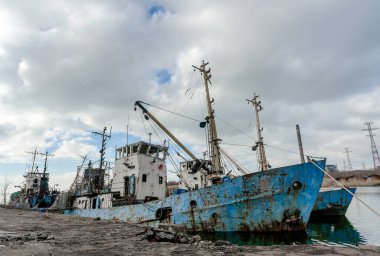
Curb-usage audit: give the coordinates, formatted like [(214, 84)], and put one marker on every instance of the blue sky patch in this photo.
[(163, 76), (155, 9)]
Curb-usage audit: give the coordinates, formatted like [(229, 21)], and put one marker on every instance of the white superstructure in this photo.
[(140, 172)]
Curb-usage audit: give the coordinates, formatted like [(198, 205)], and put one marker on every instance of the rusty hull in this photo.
[(271, 201), (332, 202)]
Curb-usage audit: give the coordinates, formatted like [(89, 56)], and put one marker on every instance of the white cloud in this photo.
[(85, 64), (73, 148)]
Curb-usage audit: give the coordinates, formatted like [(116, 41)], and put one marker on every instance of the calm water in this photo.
[(359, 226)]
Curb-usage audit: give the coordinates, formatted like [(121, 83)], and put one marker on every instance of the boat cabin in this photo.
[(33, 182), (140, 172), (93, 182), (190, 180)]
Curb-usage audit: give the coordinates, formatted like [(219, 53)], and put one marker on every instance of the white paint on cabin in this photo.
[(32, 180), (96, 202), (140, 171), (190, 180)]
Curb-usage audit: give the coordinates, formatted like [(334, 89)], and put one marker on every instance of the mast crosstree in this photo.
[(35, 153)]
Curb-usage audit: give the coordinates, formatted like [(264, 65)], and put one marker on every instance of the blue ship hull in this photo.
[(332, 202), (271, 201)]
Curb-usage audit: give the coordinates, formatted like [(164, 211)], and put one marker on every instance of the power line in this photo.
[(349, 165), (375, 153)]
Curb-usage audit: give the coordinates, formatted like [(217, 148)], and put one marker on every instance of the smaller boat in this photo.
[(332, 202), (35, 192)]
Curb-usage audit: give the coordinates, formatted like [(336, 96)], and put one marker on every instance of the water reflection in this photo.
[(334, 230), (331, 230), (242, 238)]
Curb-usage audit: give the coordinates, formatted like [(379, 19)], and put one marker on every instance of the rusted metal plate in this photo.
[(332, 202), (270, 201)]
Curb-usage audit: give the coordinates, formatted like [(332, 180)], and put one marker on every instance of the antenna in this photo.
[(35, 153), (34, 158), (104, 140), (375, 154), (128, 130), (349, 165)]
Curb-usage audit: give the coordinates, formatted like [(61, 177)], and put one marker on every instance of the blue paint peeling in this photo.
[(333, 202), (258, 202)]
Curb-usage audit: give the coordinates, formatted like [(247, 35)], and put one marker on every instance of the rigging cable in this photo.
[(228, 165), (167, 121), (243, 145), (172, 112), (341, 185), (289, 151), (157, 133), (234, 127), (142, 118)]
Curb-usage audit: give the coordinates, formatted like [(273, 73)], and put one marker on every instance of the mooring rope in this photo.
[(341, 185)]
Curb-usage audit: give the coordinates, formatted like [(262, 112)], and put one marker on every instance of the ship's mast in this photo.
[(45, 166), (104, 136), (260, 143), (216, 168), (35, 153), (34, 158)]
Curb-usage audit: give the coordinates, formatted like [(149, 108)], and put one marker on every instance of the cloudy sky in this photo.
[(68, 68)]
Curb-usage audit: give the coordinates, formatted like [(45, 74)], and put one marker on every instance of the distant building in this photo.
[(358, 178)]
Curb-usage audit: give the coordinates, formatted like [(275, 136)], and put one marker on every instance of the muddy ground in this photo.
[(34, 233)]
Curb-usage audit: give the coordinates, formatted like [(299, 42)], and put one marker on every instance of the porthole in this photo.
[(193, 204), (297, 185)]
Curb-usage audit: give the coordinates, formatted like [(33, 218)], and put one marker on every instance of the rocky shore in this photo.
[(35, 233)]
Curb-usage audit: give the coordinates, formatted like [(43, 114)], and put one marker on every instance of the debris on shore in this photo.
[(31, 233)]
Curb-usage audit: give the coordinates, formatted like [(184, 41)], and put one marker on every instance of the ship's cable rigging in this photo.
[(146, 132), (153, 124), (172, 112), (342, 186), (154, 130), (239, 130), (244, 145), (174, 147), (166, 120), (234, 127), (163, 138)]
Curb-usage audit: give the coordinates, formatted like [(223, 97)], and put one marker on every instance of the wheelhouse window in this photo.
[(160, 179), (144, 178)]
